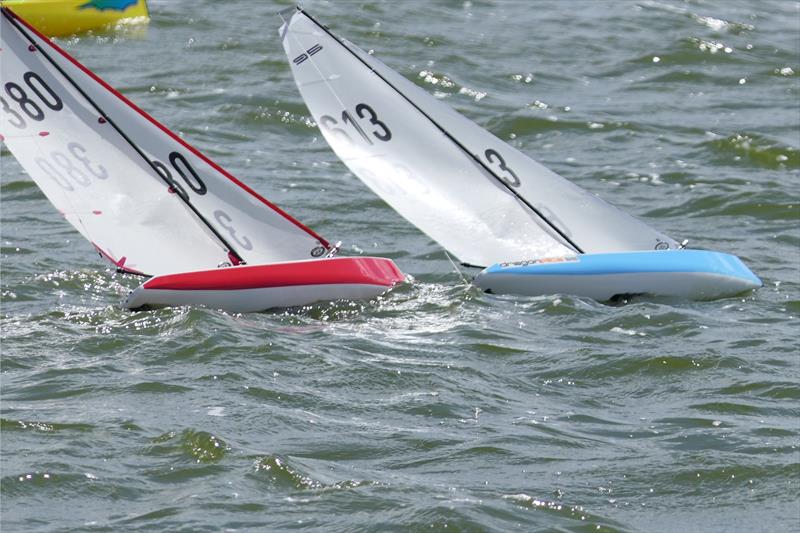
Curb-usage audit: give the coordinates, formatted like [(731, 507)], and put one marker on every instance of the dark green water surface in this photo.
[(435, 407)]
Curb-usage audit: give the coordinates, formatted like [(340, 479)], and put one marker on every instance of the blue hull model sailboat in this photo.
[(481, 199)]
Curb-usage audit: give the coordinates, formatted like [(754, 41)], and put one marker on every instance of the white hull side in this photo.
[(252, 300)]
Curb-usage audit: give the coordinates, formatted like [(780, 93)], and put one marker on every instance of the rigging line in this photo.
[(447, 134), (455, 267), (12, 19)]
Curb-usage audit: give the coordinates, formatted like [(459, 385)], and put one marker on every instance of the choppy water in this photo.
[(436, 407)]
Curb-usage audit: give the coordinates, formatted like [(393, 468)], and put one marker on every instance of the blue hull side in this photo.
[(696, 274)]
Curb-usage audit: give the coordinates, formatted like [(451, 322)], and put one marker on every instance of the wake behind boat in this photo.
[(152, 204), (480, 198)]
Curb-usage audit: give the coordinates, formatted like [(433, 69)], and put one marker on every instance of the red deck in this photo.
[(338, 270)]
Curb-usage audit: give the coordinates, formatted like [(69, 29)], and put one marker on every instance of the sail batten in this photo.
[(542, 213)]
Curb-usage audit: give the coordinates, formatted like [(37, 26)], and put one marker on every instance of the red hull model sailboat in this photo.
[(152, 204)]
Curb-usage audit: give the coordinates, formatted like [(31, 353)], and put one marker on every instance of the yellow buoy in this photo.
[(64, 17)]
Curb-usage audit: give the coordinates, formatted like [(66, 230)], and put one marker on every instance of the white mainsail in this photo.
[(148, 201), (477, 196)]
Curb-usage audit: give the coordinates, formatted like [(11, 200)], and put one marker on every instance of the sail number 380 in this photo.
[(186, 171), (28, 106), (192, 180)]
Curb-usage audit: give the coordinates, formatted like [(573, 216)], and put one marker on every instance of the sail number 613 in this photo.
[(363, 111)]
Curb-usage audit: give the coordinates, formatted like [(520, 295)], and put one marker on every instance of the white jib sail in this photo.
[(477, 196), (148, 201)]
